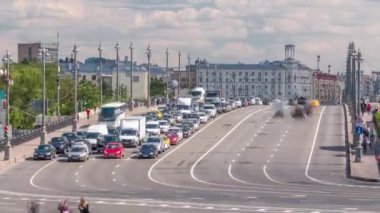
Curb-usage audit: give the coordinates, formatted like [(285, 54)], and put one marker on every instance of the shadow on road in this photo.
[(333, 148)]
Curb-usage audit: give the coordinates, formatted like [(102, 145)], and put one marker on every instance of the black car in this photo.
[(190, 125), (265, 102), (81, 134), (70, 136), (185, 130), (60, 144), (301, 101), (107, 139), (45, 151), (148, 151)]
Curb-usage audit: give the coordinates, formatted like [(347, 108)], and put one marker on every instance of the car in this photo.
[(203, 118), (185, 130), (173, 137), (164, 126), (377, 154), (81, 134), (170, 118), (167, 141), (238, 102), (178, 117), (218, 107), (162, 108), (82, 142), (194, 121), (266, 102), (148, 151), (107, 139), (301, 101), (233, 104), (208, 113), (244, 102), (159, 114), (153, 127), (78, 153), (177, 131), (258, 101), (158, 141), (211, 108), (60, 144), (190, 125), (151, 116), (114, 150), (93, 138), (70, 136), (44, 151)]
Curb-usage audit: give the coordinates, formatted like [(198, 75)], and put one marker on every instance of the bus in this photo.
[(112, 114)]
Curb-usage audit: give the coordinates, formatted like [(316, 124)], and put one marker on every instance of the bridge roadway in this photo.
[(243, 161)]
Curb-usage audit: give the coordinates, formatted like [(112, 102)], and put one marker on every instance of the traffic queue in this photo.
[(148, 135)]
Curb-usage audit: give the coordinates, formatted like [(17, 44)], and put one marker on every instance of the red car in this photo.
[(173, 137), (114, 150)]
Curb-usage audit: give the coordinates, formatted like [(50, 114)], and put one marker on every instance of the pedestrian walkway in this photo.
[(25, 151), (367, 169)]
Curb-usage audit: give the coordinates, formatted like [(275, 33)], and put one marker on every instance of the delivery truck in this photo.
[(132, 130)]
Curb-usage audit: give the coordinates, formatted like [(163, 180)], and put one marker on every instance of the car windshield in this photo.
[(113, 146), (163, 123), (44, 148), (92, 135), (107, 114), (152, 126), (208, 107), (78, 149), (128, 132), (69, 135), (109, 138), (153, 140), (148, 148), (57, 140), (201, 114)]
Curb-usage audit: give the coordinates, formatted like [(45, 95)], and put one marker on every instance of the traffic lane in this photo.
[(175, 168), (241, 142), (247, 168), (17, 178)]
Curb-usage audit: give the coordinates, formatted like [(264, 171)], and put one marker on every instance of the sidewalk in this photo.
[(367, 169), (25, 151)]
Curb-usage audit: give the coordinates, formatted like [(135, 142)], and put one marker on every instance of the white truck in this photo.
[(132, 130), (184, 105)]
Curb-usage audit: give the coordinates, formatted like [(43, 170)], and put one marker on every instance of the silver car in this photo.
[(157, 141), (78, 153)]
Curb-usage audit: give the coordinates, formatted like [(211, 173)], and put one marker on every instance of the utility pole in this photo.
[(100, 49), (149, 54), (179, 72), (8, 148), (188, 58), (117, 48), (43, 54), (318, 60), (197, 66), (207, 79), (131, 83), (58, 80), (167, 75), (359, 58), (75, 121), (329, 68)]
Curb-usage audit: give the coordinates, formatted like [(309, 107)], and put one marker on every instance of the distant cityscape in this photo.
[(284, 79)]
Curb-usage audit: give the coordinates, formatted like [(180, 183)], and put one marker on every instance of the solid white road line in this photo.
[(269, 177), (31, 181), (215, 145)]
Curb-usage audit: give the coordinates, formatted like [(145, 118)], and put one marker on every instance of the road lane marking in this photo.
[(118, 165), (215, 145), (269, 177), (31, 180), (209, 207), (113, 173)]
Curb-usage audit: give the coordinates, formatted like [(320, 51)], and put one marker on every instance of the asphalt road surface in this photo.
[(242, 161)]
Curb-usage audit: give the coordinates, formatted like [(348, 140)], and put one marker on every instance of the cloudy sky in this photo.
[(227, 31)]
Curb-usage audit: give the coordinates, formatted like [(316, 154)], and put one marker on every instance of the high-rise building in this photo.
[(30, 52)]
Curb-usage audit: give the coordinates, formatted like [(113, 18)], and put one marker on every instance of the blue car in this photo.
[(148, 151)]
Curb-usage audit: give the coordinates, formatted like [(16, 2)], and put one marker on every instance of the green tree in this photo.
[(157, 87)]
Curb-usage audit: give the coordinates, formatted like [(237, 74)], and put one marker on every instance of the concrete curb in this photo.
[(364, 179)]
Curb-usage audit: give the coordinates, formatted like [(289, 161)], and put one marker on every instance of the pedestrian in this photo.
[(34, 207), (83, 206), (363, 107), (369, 108), (88, 113), (63, 207)]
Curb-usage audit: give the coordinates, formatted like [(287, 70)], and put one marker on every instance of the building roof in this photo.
[(266, 65)]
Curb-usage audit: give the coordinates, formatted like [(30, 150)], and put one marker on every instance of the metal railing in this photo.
[(35, 133), (347, 143)]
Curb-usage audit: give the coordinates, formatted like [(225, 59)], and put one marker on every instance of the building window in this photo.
[(93, 77), (136, 78), (252, 73)]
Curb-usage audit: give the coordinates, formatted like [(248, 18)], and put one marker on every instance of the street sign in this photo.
[(359, 130)]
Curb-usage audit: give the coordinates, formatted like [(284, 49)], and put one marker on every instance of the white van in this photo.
[(100, 130)]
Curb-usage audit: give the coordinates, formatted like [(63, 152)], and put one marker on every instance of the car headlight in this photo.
[(69, 155), (49, 153), (151, 153), (118, 152), (140, 153)]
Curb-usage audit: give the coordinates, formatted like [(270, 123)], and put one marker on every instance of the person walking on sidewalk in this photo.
[(63, 207), (363, 107), (88, 110), (84, 206), (369, 107)]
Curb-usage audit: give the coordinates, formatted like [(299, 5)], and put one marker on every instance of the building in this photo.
[(184, 76), (366, 86), (30, 52), (269, 80), (89, 70), (327, 88)]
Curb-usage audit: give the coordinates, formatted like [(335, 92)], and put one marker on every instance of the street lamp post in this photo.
[(117, 48), (179, 72), (131, 84), (8, 148), (100, 49), (58, 80), (149, 54), (167, 75), (188, 59), (43, 54), (75, 120)]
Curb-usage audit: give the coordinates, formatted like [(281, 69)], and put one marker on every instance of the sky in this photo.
[(221, 31)]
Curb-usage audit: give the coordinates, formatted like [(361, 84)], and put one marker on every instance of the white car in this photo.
[(153, 128), (238, 102), (178, 131), (203, 117), (194, 121), (78, 153), (164, 126), (258, 101), (211, 108)]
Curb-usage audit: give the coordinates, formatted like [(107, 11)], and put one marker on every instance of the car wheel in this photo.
[(68, 160)]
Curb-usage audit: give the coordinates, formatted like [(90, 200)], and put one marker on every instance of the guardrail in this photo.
[(347, 143), (35, 133)]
